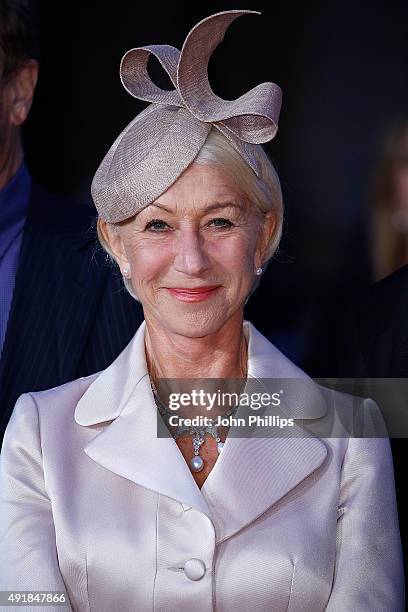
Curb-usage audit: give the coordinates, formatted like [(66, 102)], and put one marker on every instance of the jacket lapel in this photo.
[(253, 473), (250, 475), (129, 445)]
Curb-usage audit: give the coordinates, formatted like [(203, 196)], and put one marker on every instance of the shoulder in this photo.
[(355, 431), (50, 407), (72, 390), (376, 330), (338, 416), (395, 285), (385, 299)]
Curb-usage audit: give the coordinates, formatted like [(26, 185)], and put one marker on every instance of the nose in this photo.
[(190, 257)]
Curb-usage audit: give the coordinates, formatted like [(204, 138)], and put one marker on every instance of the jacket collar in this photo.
[(256, 471), (107, 396)]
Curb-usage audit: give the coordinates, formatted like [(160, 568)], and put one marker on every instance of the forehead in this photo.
[(201, 185)]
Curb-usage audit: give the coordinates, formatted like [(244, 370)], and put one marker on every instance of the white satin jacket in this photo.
[(94, 503)]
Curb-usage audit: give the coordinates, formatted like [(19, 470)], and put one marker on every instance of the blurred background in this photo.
[(341, 150)]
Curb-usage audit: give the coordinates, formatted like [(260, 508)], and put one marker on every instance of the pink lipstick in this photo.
[(193, 294)]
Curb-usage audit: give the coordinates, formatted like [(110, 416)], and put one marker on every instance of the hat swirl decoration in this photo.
[(163, 140)]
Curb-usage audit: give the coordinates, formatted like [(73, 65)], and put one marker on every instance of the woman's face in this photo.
[(192, 254)]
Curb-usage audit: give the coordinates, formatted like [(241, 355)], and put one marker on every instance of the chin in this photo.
[(195, 324)]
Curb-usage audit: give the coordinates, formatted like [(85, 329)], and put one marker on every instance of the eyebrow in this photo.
[(211, 207)]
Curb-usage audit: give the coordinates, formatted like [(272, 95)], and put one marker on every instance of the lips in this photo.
[(193, 294)]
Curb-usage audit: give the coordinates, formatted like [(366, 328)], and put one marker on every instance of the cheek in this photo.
[(236, 251), (148, 258)]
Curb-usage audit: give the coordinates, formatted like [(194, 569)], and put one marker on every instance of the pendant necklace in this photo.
[(196, 464)]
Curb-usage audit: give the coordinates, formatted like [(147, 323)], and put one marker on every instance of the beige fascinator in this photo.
[(163, 140)]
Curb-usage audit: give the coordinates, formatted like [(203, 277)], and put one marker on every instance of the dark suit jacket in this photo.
[(376, 346), (378, 328), (70, 315)]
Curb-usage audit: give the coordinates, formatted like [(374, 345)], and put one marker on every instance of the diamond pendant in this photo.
[(197, 462)]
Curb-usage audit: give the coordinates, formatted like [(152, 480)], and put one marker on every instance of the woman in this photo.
[(93, 501)]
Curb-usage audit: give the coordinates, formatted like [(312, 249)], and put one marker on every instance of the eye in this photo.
[(221, 222), (156, 225)]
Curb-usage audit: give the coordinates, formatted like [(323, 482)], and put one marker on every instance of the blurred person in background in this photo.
[(375, 345), (373, 341), (390, 216), (56, 314)]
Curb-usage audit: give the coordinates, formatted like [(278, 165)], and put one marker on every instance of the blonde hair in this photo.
[(264, 191)]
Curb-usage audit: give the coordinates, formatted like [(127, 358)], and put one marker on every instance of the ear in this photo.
[(22, 86), (112, 236), (266, 231)]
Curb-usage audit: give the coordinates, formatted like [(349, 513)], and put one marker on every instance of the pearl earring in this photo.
[(126, 272), (258, 271)]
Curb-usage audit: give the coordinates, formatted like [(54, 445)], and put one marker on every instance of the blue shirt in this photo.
[(14, 199)]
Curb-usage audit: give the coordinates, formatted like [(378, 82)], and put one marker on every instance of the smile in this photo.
[(198, 294)]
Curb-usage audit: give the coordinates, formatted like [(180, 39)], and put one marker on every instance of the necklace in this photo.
[(196, 464)]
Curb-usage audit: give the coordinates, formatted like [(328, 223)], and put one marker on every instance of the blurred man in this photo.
[(58, 317)]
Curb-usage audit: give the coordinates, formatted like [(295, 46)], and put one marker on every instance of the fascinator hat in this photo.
[(164, 139)]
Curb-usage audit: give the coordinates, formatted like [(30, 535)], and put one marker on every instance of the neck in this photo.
[(11, 157), (222, 354)]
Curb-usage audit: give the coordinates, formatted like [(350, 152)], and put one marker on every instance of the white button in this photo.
[(194, 569)]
